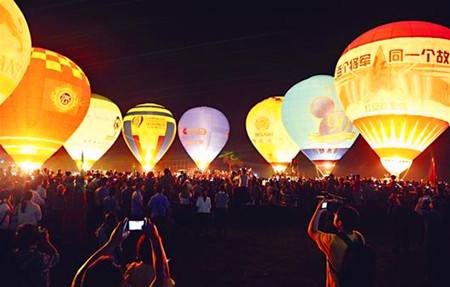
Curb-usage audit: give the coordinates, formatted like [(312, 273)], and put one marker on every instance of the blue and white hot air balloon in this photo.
[(203, 132), (315, 120)]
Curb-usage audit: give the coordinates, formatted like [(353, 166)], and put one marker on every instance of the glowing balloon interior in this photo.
[(203, 132), (15, 47), (45, 108), (267, 133), (394, 84), (96, 134), (149, 130), (317, 123)]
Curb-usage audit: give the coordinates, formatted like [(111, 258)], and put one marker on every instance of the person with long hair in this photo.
[(29, 212)]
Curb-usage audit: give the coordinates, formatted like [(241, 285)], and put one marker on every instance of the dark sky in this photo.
[(225, 57)]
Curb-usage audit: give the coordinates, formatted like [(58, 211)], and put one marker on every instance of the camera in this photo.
[(134, 225), (332, 202)]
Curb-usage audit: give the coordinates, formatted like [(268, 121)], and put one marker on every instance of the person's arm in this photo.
[(48, 248), (419, 205), (115, 240), (160, 263), (313, 227)]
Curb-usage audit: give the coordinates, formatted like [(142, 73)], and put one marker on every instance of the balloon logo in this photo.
[(268, 134), (393, 82), (203, 132), (45, 109), (149, 130), (15, 47), (316, 122), (96, 134)]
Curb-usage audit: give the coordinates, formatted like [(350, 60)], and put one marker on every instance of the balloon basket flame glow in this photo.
[(202, 166), (396, 165), (29, 166), (325, 167), (148, 167), (279, 168)]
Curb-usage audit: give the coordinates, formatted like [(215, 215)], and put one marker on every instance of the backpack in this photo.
[(358, 266)]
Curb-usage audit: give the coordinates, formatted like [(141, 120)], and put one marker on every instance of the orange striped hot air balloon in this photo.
[(45, 108), (394, 84)]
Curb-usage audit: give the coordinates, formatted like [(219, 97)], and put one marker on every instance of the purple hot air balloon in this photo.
[(203, 131)]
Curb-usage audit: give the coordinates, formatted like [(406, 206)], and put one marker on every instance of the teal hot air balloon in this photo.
[(315, 120), (203, 132)]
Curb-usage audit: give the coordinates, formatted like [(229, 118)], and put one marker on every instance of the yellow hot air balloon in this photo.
[(267, 133), (15, 47), (394, 85), (96, 134), (45, 108), (149, 131)]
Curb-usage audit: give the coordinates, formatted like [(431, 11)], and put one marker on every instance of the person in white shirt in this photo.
[(203, 205), (29, 212), (40, 189), (5, 211)]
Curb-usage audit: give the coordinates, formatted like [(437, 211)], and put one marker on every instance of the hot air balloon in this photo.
[(393, 83), (96, 134), (267, 133), (315, 121), (149, 130), (45, 108), (15, 47), (203, 132)]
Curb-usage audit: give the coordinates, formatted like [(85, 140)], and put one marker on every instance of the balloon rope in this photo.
[(406, 172)]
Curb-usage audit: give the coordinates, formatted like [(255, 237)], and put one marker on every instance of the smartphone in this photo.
[(324, 205), (134, 225)]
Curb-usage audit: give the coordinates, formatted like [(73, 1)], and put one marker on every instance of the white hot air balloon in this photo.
[(203, 131), (96, 134)]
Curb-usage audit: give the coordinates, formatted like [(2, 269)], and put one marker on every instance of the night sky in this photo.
[(228, 58)]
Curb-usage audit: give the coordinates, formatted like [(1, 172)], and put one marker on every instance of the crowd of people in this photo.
[(97, 207)]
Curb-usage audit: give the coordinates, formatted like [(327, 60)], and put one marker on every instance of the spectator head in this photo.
[(346, 219), (27, 195), (60, 189), (27, 235), (144, 250), (103, 272), (4, 194)]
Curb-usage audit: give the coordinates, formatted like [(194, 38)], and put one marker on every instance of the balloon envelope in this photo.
[(394, 85), (316, 122), (203, 132), (15, 47), (267, 133), (149, 130), (45, 108), (96, 134)]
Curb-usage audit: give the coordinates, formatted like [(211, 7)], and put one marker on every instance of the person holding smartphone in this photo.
[(434, 238), (334, 246), (100, 270)]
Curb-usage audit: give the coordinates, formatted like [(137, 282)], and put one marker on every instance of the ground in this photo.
[(266, 248)]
